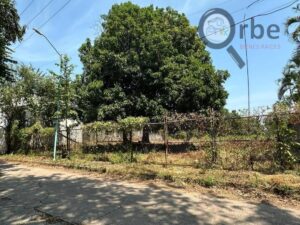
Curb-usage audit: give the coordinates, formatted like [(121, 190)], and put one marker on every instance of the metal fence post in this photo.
[(166, 139), (68, 142)]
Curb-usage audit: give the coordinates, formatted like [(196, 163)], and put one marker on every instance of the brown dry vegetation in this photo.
[(286, 185)]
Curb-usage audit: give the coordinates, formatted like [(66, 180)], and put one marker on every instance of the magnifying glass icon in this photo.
[(217, 30)]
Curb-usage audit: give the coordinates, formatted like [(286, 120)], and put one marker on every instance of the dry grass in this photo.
[(283, 184)]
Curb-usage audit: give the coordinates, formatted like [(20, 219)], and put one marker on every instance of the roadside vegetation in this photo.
[(149, 72), (286, 185)]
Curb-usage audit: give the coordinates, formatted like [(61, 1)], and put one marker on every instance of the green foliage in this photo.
[(36, 128), (66, 91), (286, 145), (295, 34), (36, 138), (283, 190), (31, 98), (38, 95), (126, 124), (182, 135), (289, 90), (133, 123), (207, 182), (121, 157), (286, 139), (10, 32), (102, 126), (146, 61)]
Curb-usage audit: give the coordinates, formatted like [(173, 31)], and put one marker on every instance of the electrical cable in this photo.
[(39, 13), (45, 23), (26, 8), (252, 17)]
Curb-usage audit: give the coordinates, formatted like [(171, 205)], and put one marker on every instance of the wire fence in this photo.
[(233, 142)]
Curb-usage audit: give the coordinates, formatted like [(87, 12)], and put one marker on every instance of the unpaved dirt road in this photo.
[(33, 195)]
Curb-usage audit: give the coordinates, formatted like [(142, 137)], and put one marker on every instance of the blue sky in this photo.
[(80, 19)]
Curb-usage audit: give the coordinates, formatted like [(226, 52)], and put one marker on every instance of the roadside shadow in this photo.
[(80, 200), (7, 166), (272, 215)]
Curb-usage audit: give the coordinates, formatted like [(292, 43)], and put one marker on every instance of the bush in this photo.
[(286, 139), (207, 182), (35, 137), (121, 157), (283, 190)]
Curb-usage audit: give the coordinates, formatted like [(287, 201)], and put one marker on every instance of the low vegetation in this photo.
[(149, 72), (285, 184)]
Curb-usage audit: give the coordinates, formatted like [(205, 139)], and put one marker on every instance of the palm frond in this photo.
[(295, 35)]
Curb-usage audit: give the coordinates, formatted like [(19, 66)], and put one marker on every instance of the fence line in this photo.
[(225, 138)]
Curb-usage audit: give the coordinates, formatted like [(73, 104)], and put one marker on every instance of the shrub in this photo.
[(35, 137), (121, 157), (286, 139), (207, 182)]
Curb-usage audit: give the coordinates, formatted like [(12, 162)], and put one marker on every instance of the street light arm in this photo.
[(40, 33)]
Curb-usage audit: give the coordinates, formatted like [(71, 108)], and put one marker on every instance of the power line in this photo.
[(231, 13), (39, 13), (247, 58), (253, 3), (46, 22), (258, 15), (27, 7), (234, 12), (278, 7), (54, 14)]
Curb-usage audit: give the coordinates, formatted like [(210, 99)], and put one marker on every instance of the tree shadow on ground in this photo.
[(77, 199)]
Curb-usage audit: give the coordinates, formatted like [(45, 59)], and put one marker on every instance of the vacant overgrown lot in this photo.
[(252, 154), (285, 184)]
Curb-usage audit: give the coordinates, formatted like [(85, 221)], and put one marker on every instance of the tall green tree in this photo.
[(10, 32), (65, 92), (147, 61), (290, 83)]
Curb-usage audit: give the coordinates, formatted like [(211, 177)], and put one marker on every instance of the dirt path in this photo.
[(34, 195)]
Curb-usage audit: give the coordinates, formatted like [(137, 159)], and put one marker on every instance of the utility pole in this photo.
[(247, 61), (57, 101)]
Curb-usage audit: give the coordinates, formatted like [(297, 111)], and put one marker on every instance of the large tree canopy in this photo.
[(10, 32), (147, 60)]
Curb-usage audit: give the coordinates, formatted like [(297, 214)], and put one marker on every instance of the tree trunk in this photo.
[(8, 138), (130, 136), (146, 132), (125, 137)]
